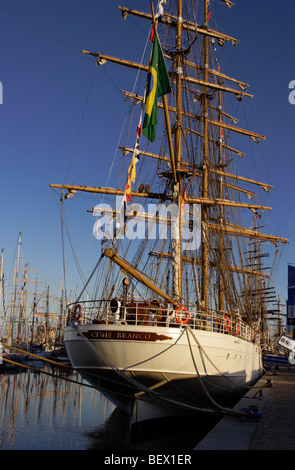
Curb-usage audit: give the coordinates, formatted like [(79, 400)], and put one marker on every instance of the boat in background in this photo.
[(177, 319), (27, 322)]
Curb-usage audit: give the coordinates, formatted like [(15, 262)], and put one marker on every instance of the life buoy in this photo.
[(238, 328), (226, 323), (179, 319), (76, 312)]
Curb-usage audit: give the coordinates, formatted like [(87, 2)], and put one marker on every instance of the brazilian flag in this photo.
[(157, 85)]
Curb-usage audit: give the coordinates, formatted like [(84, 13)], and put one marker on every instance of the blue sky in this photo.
[(58, 122)]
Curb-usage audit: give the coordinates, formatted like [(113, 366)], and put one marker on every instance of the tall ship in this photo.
[(177, 313)]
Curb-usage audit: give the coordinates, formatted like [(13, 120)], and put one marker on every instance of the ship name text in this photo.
[(125, 335)]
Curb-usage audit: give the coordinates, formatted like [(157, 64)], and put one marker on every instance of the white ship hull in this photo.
[(193, 367)]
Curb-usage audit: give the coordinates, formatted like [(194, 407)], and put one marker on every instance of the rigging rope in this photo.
[(80, 124)]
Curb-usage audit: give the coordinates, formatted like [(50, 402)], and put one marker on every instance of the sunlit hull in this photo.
[(192, 367)]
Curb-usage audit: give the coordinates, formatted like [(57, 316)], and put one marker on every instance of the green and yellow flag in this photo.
[(157, 85)]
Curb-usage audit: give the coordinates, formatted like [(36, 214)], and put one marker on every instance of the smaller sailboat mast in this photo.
[(14, 286)]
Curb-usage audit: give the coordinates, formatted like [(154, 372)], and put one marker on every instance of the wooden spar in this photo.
[(216, 74), (224, 202), (188, 165), (228, 3), (118, 192), (187, 25), (222, 113), (228, 229), (236, 129), (159, 196), (189, 259), (194, 116), (126, 150), (117, 60), (245, 232), (215, 86), (138, 66), (241, 154), (265, 186), (137, 275)]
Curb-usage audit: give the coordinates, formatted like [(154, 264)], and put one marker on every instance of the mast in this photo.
[(220, 237), (204, 212), (21, 335), (14, 287), (175, 157), (177, 186), (46, 333), (33, 319)]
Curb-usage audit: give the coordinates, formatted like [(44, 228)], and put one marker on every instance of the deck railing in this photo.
[(152, 313)]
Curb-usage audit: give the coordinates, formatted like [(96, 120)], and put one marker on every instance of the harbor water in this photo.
[(53, 408), (44, 409)]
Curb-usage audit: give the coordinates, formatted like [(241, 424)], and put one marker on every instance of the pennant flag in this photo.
[(128, 188), (160, 12), (135, 158), (157, 85), (184, 194), (131, 175), (209, 10), (132, 169), (121, 219)]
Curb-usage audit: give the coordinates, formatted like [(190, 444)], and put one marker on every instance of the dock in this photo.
[(274, 398)]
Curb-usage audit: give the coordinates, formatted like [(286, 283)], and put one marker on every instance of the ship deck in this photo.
[(274, 431)]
